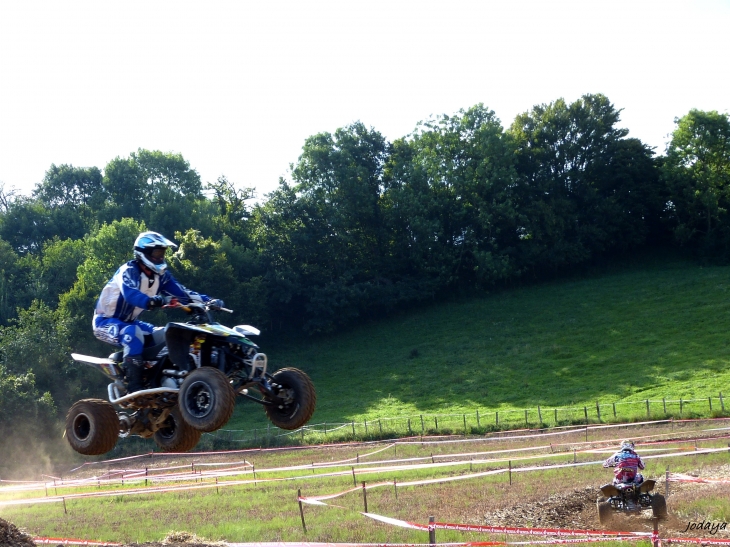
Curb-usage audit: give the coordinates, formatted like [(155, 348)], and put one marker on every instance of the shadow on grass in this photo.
[(644, 332)]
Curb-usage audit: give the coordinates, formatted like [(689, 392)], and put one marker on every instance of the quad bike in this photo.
[(193, 371), (629, 497)]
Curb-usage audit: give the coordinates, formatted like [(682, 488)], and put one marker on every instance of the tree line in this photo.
[(362, 227)]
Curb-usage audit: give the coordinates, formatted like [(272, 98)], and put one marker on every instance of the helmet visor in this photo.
[(156, 256)]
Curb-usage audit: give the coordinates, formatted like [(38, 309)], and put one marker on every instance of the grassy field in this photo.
[(268, 510), (654, 330)]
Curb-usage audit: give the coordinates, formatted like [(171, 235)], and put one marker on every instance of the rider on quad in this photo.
[(627, 464), (140, 284)]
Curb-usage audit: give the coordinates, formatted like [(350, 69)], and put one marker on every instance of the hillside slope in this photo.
[(658, 329)]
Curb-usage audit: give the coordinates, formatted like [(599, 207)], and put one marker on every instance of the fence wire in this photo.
[(474, 422)]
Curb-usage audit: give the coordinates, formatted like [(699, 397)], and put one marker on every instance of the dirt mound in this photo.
[(10, 536), (180, 539), (572, 509), (576, 509)]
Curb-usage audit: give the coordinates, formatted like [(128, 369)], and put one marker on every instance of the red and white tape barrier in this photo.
[(67, 541), (679, 477)]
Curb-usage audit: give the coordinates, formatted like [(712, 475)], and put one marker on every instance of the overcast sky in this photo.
[(236, 87)]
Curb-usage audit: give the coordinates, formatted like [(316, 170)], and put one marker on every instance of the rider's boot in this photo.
[(133, 372)]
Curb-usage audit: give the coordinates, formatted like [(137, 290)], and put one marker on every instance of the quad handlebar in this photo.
[(173, 303)]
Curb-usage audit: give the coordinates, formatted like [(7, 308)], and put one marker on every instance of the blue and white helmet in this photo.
[(149, 248)]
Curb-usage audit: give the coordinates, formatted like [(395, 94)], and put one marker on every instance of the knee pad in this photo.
[(132, 338)]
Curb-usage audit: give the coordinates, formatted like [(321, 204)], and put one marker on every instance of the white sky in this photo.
[(236, 86)]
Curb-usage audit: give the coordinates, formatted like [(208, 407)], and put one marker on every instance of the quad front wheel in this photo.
[(92, 427), (175, 435), (206, 399), (295, 399)]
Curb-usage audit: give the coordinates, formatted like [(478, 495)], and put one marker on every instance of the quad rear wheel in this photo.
[(206, 399), (296, 399), (604, 511), (659, 506), (92, 427), (175, 435)]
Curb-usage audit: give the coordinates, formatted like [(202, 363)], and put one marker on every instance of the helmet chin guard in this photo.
[(149, 249)]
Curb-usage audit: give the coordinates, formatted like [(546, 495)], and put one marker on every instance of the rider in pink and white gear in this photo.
[(626, 463)]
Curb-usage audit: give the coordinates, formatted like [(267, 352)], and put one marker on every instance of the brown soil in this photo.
[(576, 509), (10, 536)]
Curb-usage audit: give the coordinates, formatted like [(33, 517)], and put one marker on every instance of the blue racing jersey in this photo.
[(128, 292)]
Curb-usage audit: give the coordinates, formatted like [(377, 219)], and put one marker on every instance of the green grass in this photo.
[(651, 331), (269, 511)]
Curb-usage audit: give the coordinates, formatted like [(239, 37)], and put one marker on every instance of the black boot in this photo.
[(133, 373)]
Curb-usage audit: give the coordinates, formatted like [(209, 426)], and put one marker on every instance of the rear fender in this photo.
[(647, 486), (609, 490), (106, 366)]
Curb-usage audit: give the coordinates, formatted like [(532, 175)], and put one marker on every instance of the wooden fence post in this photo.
[(301, 509), (666, 483), (365, 496), (431, 531)]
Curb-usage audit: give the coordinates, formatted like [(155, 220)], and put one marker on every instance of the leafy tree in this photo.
[(104, 251), (13, 282), (232, 211), (158, 188), (6, 197), (125, 184), (697, 170), (28, 223), (569, 203), (66, 185), (38, 342), (59, 262), (28, 419), (224, 270), (18, 394), (323, 238), (449, 200)]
